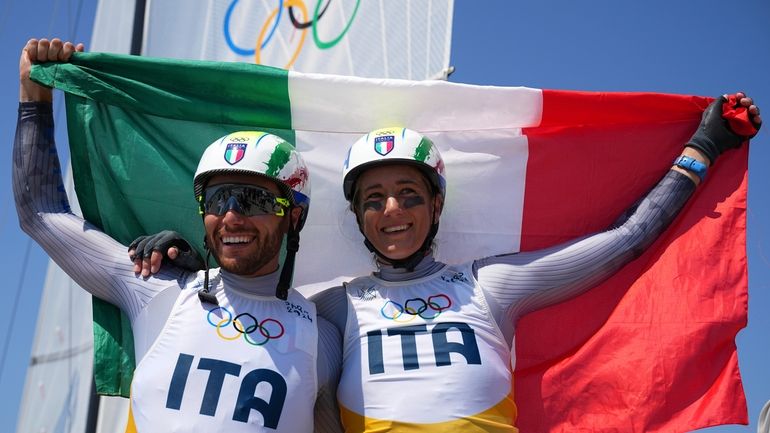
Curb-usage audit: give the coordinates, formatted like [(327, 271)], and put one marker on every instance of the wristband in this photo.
[(692, 165)]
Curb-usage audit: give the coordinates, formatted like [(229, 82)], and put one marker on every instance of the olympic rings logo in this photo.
[(273, 20), (245, 325), (415, 307)]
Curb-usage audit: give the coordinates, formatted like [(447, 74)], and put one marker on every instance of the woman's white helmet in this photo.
[(261, 154), (393, 146)]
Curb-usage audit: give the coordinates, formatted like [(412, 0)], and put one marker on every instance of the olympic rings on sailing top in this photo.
[(245, 325), (267, 31), (414, 307)]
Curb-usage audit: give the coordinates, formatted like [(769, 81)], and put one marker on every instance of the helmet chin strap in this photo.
[(205, 294), (287, 270)]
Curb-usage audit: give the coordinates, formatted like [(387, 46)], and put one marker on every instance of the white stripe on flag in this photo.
[(349, 104)]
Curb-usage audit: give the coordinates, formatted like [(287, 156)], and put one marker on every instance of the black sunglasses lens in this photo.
[(244, 199)]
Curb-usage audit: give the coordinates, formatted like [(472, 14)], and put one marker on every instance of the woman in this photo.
[(427, 346)]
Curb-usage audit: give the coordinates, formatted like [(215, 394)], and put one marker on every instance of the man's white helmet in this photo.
[(261, 154), (393, 146)]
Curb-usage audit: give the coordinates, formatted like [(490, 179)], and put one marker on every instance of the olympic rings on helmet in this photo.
[(416, 307), (271, 24), (245, 325)]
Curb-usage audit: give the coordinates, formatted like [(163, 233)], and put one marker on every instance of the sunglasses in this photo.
[(247, 200)]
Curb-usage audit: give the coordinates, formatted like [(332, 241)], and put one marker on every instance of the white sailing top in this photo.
[(250, 366), (428, 343)]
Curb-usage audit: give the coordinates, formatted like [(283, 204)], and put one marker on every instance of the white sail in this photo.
[(378, 39)]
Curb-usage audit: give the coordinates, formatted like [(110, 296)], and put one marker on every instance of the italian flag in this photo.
[(649, 350)]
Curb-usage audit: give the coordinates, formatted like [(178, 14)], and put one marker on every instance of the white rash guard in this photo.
[(435, 330), (251, 362)]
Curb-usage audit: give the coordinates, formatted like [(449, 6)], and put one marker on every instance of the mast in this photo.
[(137, 33)]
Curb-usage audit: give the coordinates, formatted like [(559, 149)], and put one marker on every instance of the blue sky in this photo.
[(706, 47)]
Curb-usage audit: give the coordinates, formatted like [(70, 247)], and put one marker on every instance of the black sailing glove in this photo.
[(714, 134), (188, 257)]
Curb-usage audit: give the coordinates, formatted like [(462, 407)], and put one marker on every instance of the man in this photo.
[(219, 350)]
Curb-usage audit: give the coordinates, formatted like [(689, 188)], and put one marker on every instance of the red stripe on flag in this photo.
[(570, 108), (652, 348)]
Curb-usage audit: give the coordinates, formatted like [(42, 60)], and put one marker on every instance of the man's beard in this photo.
[(266, 250)]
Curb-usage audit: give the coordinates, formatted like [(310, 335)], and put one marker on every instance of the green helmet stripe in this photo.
[(278, 159), (423, 149)]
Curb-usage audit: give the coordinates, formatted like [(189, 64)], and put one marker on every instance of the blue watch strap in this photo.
[(692, 165)]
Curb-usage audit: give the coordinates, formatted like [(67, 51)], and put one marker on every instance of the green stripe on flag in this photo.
[(135, 120)]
